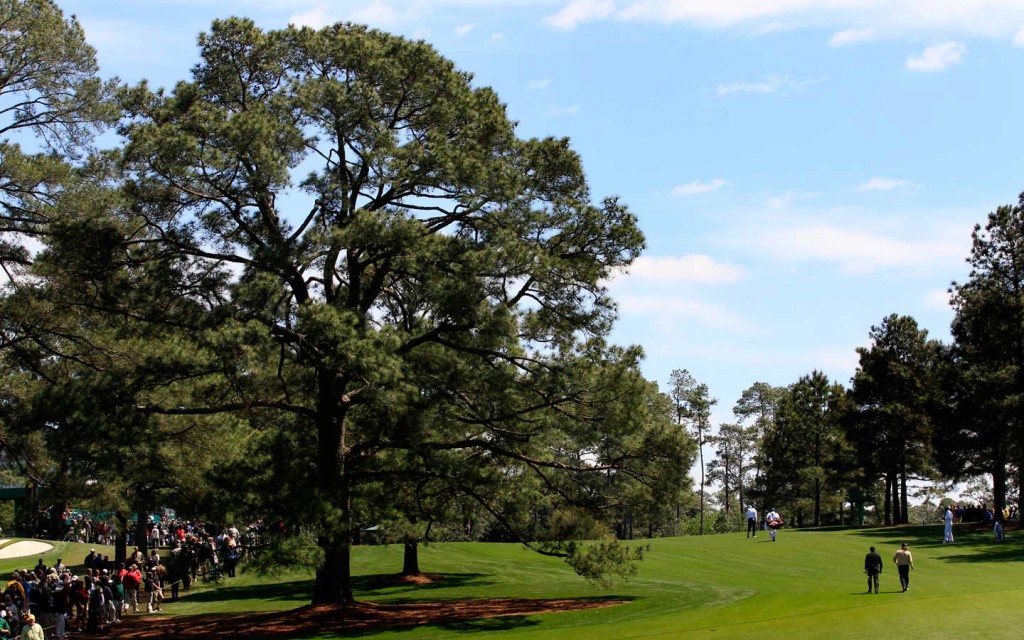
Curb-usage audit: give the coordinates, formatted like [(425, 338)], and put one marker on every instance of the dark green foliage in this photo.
[(896, 393), (987, 388), (804, 458), (418, 314)]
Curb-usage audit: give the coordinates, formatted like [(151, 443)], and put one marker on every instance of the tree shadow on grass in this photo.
[(301, 591), (991, 552), (976, 539), (291, 591), (381, 583), (356, 620)]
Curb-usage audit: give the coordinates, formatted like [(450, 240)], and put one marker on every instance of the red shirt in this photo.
[(132, 579)]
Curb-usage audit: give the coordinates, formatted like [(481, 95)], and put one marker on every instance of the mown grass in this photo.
[(808, 584)]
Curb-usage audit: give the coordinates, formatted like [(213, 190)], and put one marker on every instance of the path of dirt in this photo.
[(358, 619)]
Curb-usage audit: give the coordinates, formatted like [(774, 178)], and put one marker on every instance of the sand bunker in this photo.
[(24, 548)]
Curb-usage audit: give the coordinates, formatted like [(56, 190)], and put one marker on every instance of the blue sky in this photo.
[(801, 168)]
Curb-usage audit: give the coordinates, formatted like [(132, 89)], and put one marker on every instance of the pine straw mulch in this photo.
[(361, 618)]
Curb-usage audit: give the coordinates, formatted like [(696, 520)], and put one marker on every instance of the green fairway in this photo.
[(808, 584)]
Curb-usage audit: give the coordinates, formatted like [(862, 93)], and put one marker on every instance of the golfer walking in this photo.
[(751, 521), (904, 563), (873, 568), (947, 536)]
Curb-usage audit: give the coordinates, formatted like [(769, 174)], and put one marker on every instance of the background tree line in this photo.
[(915, 410)]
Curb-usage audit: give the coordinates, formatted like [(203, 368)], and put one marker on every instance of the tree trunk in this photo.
[(888, 500), (726, 483), (411, 559), (999, 483), (120, 537), (817, 502), (700, 448), (334, 578), (895, 487), (141, 533), (904, 510), (742, 503)]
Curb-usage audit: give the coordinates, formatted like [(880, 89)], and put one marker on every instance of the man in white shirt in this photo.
[(947, 537), (751, 521), (772, 519)]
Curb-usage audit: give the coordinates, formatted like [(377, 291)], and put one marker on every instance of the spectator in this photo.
[(61, 606), (132, 580), (30, 629), (117, 598), (156, 591)]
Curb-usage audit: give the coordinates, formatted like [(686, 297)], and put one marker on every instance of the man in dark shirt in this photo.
[(872, 567)]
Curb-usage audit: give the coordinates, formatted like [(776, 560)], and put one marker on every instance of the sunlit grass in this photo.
[(808, 584)]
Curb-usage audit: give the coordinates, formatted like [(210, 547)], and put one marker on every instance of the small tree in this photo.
[(693, 409)]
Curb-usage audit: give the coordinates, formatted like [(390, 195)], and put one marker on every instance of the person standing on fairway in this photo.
[(774, 521), (873, 568), (947, 537), (751, 521), (904, 563)]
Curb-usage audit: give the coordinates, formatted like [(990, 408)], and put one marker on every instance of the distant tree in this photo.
[(755, 410), (693, 409), (896, 392), (734, 449), (988, 352), (803, 457)]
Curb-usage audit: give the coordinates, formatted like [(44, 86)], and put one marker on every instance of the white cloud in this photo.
[(698, 187), (787, 198), (671, 311), (464, 29), (937, 299), (1018, 40), (851, 36), (772, 84), (694, 269), (883, 184), (986, 18), (378, 13), (773, 27), (316, 17), (937, 57), (854, 250), (563, 111), (579, 12), (543, 83), (497, 36)]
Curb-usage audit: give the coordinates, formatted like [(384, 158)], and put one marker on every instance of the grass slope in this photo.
[(808, 584)]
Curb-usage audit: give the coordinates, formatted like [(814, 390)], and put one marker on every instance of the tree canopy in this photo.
[(417, 291)]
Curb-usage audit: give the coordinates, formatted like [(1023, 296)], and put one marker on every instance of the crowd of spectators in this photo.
[(982, 513), (90, 597)]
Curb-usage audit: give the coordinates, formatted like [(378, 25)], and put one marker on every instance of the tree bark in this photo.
[(334, 578), (411, 559), (817, 502), (120, 537), (999, 481), (700, 448), (904, 510), (888, 500)]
